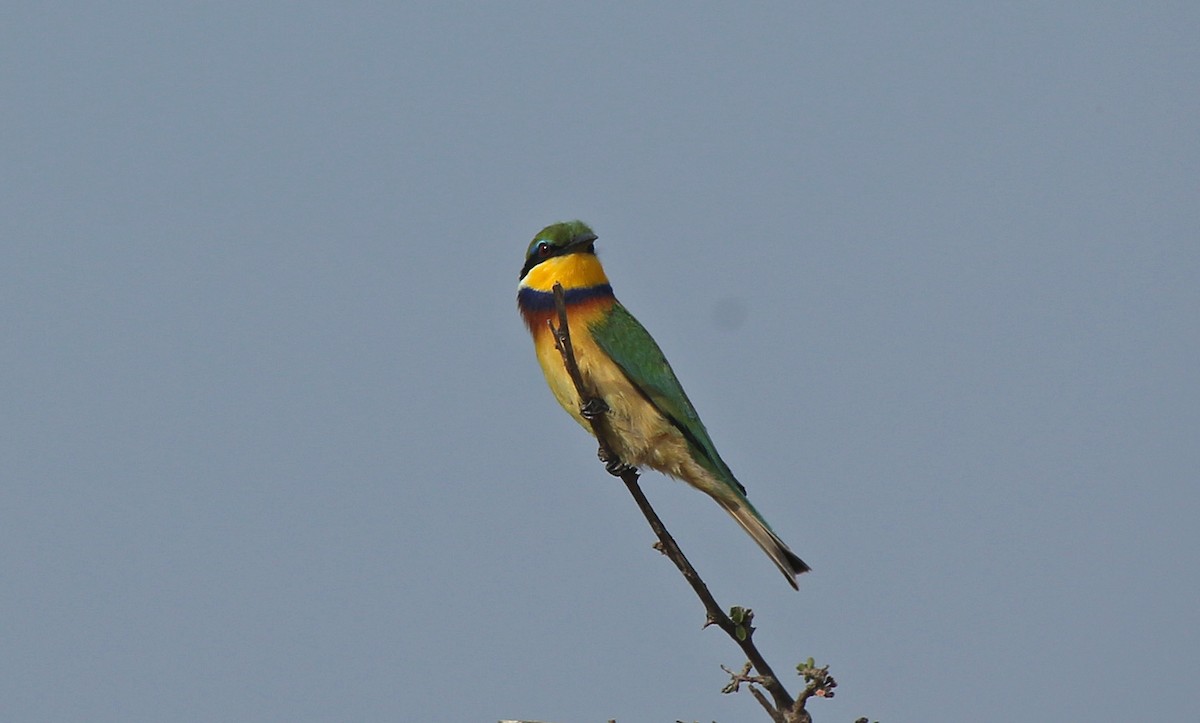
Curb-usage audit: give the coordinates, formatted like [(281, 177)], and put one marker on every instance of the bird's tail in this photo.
[(786, 560)]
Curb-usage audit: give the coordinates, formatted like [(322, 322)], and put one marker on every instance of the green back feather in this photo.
[(633, 349)]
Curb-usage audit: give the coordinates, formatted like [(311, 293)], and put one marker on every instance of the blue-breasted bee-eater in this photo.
[(652, 422)]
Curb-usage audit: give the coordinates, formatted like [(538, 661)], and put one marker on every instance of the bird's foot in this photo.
[(613, 464), (593, 408)]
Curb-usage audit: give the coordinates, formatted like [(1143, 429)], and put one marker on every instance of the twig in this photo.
[(785, 708), (735, 686)]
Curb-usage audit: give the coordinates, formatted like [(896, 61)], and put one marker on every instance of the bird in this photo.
[(650, 419)]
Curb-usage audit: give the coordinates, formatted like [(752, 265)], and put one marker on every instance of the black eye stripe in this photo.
[(544, 250)]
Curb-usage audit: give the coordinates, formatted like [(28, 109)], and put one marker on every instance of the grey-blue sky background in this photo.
[(275, 446)]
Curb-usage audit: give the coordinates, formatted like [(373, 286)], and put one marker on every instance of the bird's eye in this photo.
[(543, 249)]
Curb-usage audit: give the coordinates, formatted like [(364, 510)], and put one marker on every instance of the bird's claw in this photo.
[(593, 408), (613, 464)]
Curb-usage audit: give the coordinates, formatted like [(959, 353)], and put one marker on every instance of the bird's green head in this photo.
[(570, 237)]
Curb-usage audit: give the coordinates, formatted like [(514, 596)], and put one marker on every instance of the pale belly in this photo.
[(642, 436)]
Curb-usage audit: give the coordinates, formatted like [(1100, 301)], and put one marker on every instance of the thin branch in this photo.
[(785, 709), (735, 686)]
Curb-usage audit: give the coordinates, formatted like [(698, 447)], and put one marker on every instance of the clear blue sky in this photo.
[(274, 445)]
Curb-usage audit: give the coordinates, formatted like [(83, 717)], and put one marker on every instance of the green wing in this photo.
[(636, 353)]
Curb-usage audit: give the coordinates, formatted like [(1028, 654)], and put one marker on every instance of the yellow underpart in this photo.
[(573, 271), (641, 434)]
